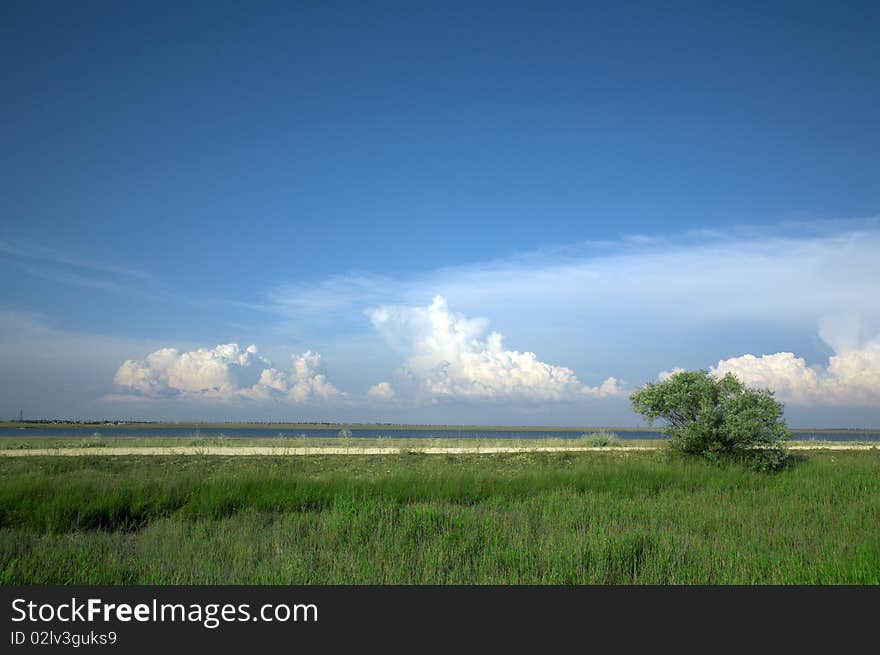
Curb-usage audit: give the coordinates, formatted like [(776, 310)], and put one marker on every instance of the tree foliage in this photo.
[(717, 418)]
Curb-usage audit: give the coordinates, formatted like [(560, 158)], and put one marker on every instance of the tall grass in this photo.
[(534, 518), (600, 439)]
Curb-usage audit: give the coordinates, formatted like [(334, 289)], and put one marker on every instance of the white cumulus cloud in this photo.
[(226, 372), (665, 375), (304, 383), (382, 391), (850, 378), (448, 356)]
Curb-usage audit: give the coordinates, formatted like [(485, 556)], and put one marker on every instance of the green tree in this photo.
[(717, 418)]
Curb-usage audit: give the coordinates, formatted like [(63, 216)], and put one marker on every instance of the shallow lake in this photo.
[(370, 433)]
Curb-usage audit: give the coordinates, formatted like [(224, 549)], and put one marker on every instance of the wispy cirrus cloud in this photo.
[(69, 268), (25, 250), (70, 277), (798, 275)]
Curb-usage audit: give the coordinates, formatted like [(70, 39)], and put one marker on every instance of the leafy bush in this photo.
[(92, 442), (717, 418), (600, 439)]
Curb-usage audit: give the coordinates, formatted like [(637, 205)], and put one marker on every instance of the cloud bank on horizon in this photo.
[(850, 378), (581, 324), (224, 373), (445, 357)]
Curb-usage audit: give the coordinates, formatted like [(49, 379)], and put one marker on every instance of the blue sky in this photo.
[(618, 189)]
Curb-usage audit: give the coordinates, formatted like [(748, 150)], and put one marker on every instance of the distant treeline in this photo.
[(328, 425)]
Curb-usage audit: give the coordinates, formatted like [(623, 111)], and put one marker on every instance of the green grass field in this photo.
[(530, 518)]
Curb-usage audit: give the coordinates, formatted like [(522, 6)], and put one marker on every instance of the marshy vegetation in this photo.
[(598, 438), (527, 518)]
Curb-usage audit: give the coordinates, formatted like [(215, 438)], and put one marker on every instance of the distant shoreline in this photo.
[(51, 425)]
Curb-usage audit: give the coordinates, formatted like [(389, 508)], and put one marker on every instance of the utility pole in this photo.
[(21, 416)]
